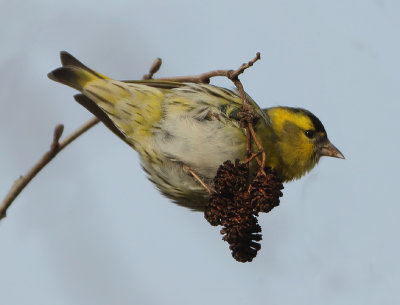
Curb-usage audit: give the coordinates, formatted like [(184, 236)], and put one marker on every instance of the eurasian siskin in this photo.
[(179, 126)]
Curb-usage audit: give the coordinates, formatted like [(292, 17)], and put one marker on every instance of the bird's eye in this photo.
[(309, 133)]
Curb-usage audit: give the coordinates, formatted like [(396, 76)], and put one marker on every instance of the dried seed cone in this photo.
[(231, 207), (235, 206), (216, 209), (231, 178), (241, 229), (265, 191)]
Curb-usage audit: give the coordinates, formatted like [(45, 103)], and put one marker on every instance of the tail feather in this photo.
[(99, 113), (71, 76), (73, 73), (129, 110), (69, 60)]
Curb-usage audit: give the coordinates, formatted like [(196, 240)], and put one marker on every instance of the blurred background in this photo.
[(90, 228)]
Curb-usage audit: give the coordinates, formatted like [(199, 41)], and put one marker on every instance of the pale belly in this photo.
[(200, 145)]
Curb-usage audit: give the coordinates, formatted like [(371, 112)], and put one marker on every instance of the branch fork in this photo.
[(55, 148)]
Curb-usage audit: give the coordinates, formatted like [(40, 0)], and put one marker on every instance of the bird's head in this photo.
[(301, 141)]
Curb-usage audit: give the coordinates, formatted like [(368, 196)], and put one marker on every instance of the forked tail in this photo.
[(73, 73)]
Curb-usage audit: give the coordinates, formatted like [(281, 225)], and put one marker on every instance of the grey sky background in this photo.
[(90, 229)]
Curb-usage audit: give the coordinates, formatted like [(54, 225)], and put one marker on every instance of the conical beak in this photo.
[(328, 149)]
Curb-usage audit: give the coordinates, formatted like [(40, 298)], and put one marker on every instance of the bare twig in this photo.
[(244, 66), (155, 66), (89, 124), (197, 177), (259, 146), (253, 156), (231, 74), (55, 148), (205, 77)]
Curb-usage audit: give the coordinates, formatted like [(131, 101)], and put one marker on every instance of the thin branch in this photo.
[(205, 77), (197, 177), (155, 66), (244, 66), (55, 148), (259, 146), (89, 124), (252, 157)]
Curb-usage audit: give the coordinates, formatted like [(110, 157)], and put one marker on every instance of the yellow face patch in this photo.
[(281, 115)]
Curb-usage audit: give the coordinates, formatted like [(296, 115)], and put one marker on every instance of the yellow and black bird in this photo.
[(179, 126)]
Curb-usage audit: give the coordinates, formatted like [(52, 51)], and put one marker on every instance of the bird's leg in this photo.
[(197, 177)]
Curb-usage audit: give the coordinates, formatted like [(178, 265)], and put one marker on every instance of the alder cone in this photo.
[(235, 205), (265, 191)]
